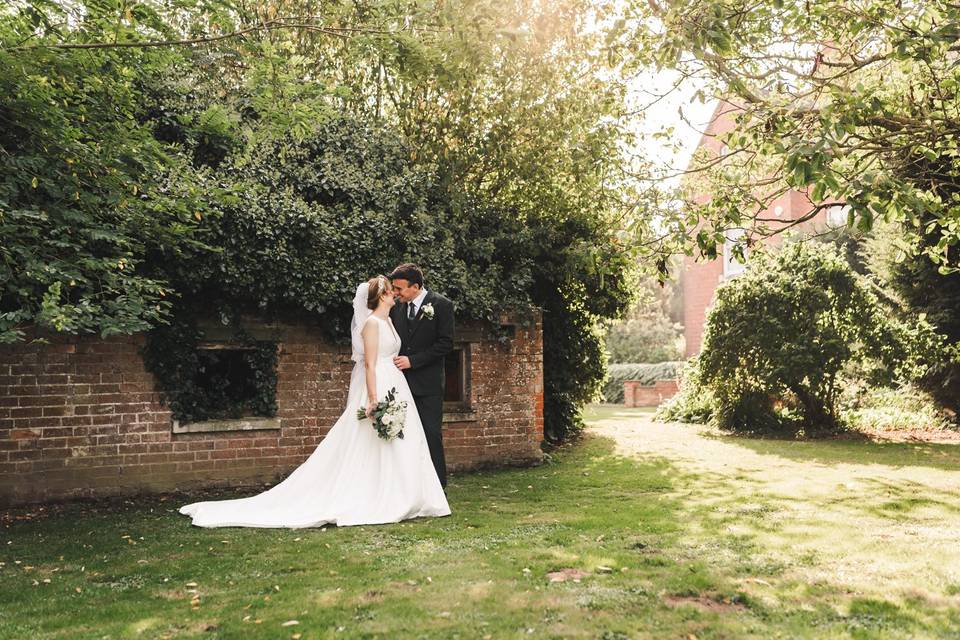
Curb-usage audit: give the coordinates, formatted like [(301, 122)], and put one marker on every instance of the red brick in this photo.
[(42, 401), (24, 390), (636, 394), (56, 432), (26, 454), (119, 424)]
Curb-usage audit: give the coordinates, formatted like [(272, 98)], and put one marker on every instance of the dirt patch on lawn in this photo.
[(938, 436), (704, 603), (371, 596)]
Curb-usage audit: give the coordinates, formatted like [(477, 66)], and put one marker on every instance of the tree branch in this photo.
[(266, 26)]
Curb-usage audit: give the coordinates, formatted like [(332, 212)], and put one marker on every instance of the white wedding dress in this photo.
[(353, 477)]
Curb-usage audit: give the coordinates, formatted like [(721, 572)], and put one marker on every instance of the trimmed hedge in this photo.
[(617, 374)]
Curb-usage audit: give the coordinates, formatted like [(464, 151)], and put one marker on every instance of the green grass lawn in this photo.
[(665, 531)]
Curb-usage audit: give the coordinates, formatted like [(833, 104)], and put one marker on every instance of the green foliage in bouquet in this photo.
[(388, 416)]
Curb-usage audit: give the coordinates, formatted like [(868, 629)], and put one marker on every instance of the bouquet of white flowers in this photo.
[(388, 416)]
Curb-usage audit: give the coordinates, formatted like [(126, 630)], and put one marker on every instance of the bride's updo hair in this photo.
[(376, 287)]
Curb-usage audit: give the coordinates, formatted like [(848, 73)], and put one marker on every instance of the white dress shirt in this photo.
[(416, 302)]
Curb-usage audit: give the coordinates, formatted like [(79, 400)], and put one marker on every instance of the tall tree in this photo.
[(87, 193), (855, 103), (510, 109)]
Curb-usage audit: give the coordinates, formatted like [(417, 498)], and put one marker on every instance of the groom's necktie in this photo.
[(411, 311)]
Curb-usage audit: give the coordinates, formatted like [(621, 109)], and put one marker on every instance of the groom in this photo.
[(424, 321)]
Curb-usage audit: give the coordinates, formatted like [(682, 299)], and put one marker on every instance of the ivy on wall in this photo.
[(145, 184), (236, 379)]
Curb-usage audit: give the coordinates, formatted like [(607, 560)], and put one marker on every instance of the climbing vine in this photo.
[(238, 378)]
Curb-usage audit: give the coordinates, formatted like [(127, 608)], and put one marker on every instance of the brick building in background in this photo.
[(80, 416), (700, 278)]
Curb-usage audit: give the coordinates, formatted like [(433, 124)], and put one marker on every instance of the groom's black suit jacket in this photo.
[(425, 341)]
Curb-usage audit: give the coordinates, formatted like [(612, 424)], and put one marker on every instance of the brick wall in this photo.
[(699, 281), (637, 394), (81, 416), (506, 398)]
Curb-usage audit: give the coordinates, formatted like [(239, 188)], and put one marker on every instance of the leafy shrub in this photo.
[(87, 193), (915, 285), (647, 333), (778, 337), (646, 373), (904, 407), (649, 338), (306, 220), (692, 403)]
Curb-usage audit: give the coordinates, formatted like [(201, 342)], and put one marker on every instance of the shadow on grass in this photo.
[(904, 497), (861, 452), (632, 528), (135, 567)]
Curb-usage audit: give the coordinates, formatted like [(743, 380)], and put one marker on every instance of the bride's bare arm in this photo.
[(371, 347)]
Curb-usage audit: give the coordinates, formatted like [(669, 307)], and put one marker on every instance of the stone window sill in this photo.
[(459, 415), (238, 424)]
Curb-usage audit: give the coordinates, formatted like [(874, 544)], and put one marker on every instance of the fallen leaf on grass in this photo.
[(290, 623), (758, 581)]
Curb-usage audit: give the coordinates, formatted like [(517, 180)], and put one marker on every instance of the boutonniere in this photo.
[(427, 311)]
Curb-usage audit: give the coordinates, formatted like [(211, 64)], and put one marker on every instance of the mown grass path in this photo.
[(648, 530)]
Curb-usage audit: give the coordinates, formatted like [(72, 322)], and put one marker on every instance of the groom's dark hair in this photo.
[(409, 272)]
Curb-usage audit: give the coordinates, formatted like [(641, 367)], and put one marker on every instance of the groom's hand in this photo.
[(401, 362)]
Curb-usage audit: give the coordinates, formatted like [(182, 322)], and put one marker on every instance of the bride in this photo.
[(353, 477)]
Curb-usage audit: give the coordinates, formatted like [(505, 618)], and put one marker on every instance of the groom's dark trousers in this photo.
[(430, 409), (426, 341)]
